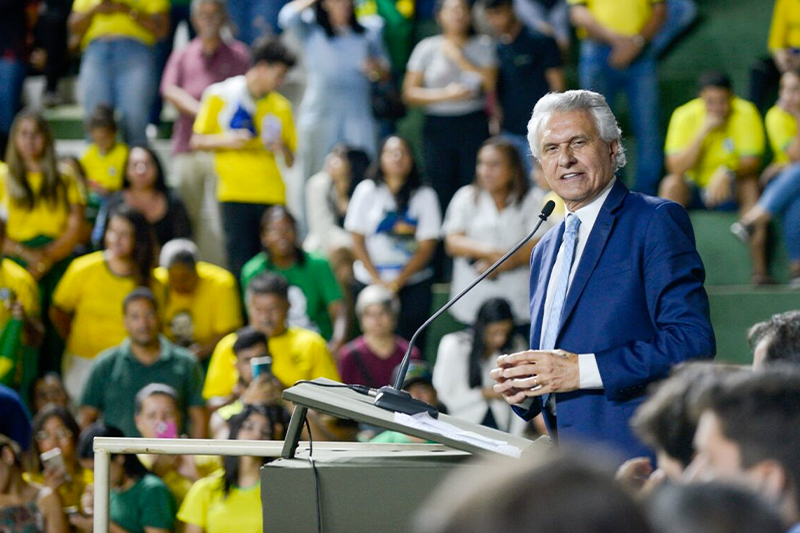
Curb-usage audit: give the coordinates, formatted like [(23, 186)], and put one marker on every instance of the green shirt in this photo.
[(117, 376), (318, 289), (146, 504)]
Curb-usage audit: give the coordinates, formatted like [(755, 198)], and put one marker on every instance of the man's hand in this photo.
[(623, 52), (534, 373), (263, 389), (719, 190), (713, 121), (237, 139)]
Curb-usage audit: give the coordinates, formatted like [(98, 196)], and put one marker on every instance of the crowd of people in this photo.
[(129, 310)]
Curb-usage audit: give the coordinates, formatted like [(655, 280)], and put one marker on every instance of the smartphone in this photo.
[(261, 365), (53, 459), (166, 430)]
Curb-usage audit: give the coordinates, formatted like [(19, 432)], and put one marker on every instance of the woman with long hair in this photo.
[(45, 214), (465, 360), (318, 304), (450, 76), (144, 188), (87, 303), (25, 506), (231, 499), (342, 58), (395, 221), (483, 221), (55, 428)]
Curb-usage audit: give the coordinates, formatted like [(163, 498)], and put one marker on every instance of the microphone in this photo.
[(393, 398)]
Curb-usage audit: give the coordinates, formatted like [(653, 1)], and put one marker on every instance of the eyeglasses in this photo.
[(58, 435)]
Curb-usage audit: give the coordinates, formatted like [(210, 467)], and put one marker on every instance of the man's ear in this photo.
[(769, 478)]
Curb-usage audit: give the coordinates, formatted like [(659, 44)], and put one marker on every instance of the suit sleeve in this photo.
[(673, 278)]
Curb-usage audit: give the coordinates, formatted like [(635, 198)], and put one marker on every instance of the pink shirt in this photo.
[(191, 70)]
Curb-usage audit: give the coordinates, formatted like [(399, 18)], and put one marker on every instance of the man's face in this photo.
[(500, 19), (716, 457), (577, 163), (183, 279), (268, 313), (717, 101), (208, 20), (270, 77), (243, 358), (141, 322)]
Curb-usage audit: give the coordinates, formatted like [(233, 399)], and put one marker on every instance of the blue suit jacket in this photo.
[(636, 301)]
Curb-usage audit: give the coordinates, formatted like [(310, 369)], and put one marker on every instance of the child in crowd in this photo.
[(104, 158)]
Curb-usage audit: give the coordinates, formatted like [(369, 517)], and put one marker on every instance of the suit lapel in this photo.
[(594, 248), (539, 291)]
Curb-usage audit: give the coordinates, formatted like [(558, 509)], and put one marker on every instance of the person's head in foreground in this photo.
[(550, 493), (748, 433), (712, 507)]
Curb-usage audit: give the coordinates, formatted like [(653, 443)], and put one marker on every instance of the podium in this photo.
[(355, 487)]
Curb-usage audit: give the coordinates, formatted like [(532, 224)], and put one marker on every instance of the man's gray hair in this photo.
[(221, 4), (377, 294), (604, 119), (181, 251)]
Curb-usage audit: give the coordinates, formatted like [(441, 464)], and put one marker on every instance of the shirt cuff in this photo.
[(525, 404), (589, 373)]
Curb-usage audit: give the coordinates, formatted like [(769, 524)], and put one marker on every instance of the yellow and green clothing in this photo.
[(106, 169), (784, 32), (120, 25), (625, 17), (209, 507), (741, 136), (781, 131)]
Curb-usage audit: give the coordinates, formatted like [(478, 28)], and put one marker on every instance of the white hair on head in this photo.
[(377, 294), (580, 100), (176, 248)]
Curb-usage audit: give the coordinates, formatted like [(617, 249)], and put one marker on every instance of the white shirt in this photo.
[(473, 212), (587, 363)]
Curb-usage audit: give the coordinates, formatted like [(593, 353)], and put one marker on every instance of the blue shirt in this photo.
[(15, 422)]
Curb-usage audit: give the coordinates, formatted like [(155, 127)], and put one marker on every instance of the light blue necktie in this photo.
[(560, 294)]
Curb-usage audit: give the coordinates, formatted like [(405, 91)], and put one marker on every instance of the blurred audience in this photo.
[(144, 357), (466, 358), (202, 304), (781, 198), (546, 17), (776, 340), (783, 43), (48, 390), (396, 222), (315, 298), (14, 54), (87, 303), (15, 420), (713, 154), (328, 195), (144, 188), (483, 221), (451, 76), (105, 158), (23, 505), (118, 63), (44, 215), (371, 358), (252, 19), (297, 353), (711, 508), (231, 499), (208, 58), (139, 502), (246, 123), (342, 57)]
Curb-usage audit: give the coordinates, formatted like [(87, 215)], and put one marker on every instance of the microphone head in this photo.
[(547, 210)]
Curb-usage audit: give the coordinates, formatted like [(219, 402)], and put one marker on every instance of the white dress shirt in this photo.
[(587, 364)]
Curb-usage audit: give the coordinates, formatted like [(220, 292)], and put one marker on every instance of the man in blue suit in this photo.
[(617, 294)]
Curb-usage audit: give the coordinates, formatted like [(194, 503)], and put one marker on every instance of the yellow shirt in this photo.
[(741, 136), (105, 169), (250, 174), (213, 309), (209, 507), (93, 295), (70, 491), (781, 131), (120, 24), (45, 219), (16, 284), (784, 32), (296, 354), (626, 17)]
